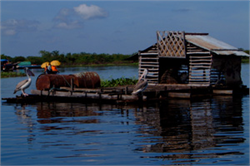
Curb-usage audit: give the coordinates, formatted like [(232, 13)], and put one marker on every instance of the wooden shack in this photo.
[(179, 64), (194, 59)]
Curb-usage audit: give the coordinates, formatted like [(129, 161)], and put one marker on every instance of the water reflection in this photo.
[(180, 131), (24, 117), (54, 112), (194, 130)]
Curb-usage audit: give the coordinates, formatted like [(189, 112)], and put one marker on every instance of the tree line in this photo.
[(82, 58), (69, 58)]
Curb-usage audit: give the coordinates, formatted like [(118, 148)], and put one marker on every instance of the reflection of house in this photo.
[(185, 126), (191, 58), (46, 112)]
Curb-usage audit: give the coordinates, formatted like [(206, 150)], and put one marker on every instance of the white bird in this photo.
[(142, 83), (25, 83)]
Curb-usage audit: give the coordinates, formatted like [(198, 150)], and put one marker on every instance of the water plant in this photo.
[(118, 82), (12, 74)]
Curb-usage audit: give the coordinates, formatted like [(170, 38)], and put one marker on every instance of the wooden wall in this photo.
[(230, 67), (172, 56)]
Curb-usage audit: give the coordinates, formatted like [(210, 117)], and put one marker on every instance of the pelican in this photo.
[(25, 83), (142, 83)]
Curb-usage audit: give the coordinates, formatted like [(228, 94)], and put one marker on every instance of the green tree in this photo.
[(18, 59), (46, 55), (3, 56), (35, 60)]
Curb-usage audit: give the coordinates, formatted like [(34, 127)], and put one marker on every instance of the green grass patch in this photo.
[(12, 74), (244, 60), (118, 82)]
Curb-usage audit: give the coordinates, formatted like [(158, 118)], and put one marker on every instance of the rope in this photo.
[(65, 80)]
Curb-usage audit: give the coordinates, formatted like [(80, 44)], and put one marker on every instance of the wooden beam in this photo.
[(149, 53), (223, 92), (206, 56), (200, 34), (179, 95), (149, 62), (86, 95)]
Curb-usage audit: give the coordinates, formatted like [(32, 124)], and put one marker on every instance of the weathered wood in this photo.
[(200, 80), (152, 93), (171, 44), (86, 95), (179, 95), (195, 57), (150, 58), (199, 74), (149, 63), (146, 65), (148, 53), (195, 76), (202, 60), (94, 90), (150, 72), (200, 63), (72, 84), (153, 69), (222, 92), (199, 67)]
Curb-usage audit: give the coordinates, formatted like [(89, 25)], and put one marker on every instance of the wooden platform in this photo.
[(122, 94)]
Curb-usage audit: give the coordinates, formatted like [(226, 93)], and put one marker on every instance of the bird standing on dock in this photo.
[(142, 83), (25, 83)]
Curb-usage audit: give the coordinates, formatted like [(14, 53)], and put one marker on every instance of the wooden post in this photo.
[(126, 90), (72, 84)]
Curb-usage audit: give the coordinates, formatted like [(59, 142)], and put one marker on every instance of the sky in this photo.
[(111, 27)]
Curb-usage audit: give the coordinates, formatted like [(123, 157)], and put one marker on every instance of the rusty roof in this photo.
[(211, 44)]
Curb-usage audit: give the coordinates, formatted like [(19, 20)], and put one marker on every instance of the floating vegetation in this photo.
[(118, 82), (12, 74), (245, 60)]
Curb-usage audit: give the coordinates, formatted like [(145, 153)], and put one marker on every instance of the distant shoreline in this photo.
[(15, 74), (18, 74), (101, 64)]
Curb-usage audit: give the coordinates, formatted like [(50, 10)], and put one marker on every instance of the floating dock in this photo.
[(180, 65), (123, 94)]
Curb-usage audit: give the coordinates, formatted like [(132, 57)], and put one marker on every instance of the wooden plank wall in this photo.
[(200, 64), (172, 44), (200, 68), (149, 61)]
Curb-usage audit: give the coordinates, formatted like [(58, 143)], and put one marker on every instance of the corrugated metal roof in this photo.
[(209, 43)]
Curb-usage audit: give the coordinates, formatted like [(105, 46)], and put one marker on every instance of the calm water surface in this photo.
[(209, 131)]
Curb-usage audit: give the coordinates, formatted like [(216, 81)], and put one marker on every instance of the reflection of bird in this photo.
[(141, 84), (25, 83)]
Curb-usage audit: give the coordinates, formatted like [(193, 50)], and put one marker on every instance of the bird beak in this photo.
[(30, 73)]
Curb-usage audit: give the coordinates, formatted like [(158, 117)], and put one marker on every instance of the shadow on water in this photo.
[(191, 131), (171, 132)]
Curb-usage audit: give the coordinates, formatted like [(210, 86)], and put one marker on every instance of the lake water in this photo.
[(211, 131)]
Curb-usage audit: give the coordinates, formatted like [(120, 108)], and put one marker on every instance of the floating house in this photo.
[(193, 59), (179, 64)]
